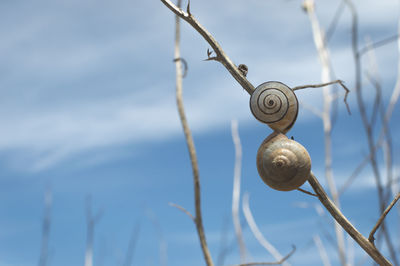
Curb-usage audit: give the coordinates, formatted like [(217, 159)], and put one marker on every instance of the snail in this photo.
[(283, 164), (275, 104)]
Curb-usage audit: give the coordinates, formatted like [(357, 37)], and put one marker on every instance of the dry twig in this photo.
[(367, 126), (188, 135), (326, 76), (338, 81), (48, 199), (220, 54), (236, 189), (321, 250), (346, 225), (257, 233), (371, 237), (183, 210), (279, 262)]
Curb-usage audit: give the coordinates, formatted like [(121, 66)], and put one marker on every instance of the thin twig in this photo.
[(220, 54), (322, 251), (188, 135), (307, 192), (326, 77), (256, 232), (183, 210), (48, 200), (379, 44), (236, 189), (281, 261), (338, 81), (335, 20), (91, 221), (162, 243), (132, 245), (367, 126), (371, 237), (312, 109), (346, 225), (353, 176)]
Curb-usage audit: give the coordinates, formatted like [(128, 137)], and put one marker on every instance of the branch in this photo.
[(371, 237), (340, 82), (307, 192), (236, 189), (132, 245), (281, 261), (220, 54), (346, 225), (367, 126), (183, 210), (378, 44), (188, 135), (48, 199), (321, 250), (256, 232)]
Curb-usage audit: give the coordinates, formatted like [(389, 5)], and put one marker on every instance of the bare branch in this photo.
[(183, 210), (335, 20), (367, 126), (220, 54), (236, 189), (340, 82), (48, 200), (346, 225), (132, 245), (379, 44), (326, 77), (312, 109), (279, 262), (307, 192), (371, 237), (162, 243), (257, 233), (186, 130), (90, 224), (321, 250)]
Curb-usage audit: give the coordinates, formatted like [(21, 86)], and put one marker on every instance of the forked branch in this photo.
[(341, 219)]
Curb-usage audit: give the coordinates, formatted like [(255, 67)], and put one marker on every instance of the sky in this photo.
[(87, 110)]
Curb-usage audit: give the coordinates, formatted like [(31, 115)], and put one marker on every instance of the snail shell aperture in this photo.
[(275, 104), (282, 163)]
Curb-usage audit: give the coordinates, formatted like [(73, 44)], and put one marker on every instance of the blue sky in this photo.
[(87, 107)]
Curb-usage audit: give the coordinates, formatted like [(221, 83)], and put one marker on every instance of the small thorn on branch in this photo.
[(211, 58), (188, 8)]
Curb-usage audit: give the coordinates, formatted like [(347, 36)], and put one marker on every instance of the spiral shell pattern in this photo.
[(275, 104), (283, 164)]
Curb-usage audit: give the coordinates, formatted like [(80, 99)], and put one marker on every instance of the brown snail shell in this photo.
[(275, 104), (282, 163)]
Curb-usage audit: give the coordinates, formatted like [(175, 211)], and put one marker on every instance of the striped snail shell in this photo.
[(282, 163), (275, 104)]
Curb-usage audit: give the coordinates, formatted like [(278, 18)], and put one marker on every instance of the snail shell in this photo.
[(275, 104), (282, 163)]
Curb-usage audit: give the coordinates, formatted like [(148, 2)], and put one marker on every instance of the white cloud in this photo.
[(58, 93)]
